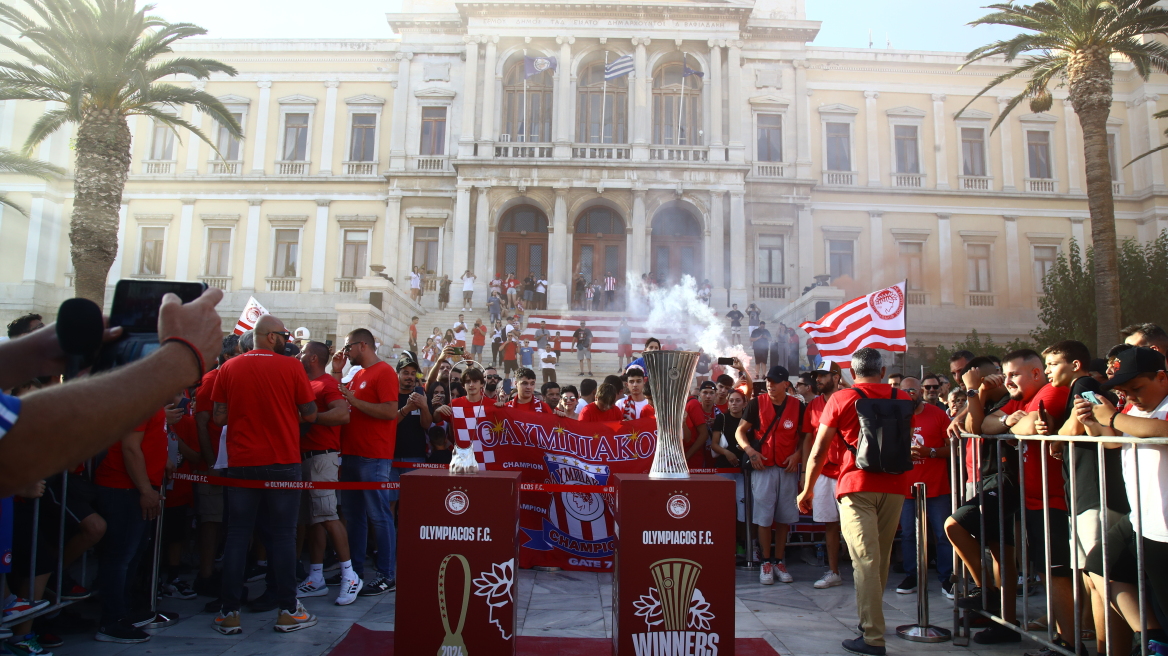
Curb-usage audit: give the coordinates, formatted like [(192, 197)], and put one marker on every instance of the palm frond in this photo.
[(173, 122), (4, 200), (47, 124), (18, 164)]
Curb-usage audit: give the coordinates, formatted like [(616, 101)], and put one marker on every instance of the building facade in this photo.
[(484, 136)]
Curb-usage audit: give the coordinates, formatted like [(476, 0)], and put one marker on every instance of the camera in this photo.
[(728, 362), (135, 309)]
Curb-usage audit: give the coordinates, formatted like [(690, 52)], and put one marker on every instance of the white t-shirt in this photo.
[(468, 283), (540, 286), (415, 280), (580, 405), (540, 354), (459, 335), (1153, 482)]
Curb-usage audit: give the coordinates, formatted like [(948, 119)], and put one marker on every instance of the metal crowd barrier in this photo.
[(961, 621)]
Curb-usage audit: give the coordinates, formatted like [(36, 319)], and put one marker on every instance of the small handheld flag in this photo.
[(250, 315)]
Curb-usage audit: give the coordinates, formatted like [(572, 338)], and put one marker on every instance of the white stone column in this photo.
[(327, 156), (259, 157), (320, 245), (115, 272), (738, 240), (714, 88), (482, 269), (562, 100), (641, 108), (8, 122), (559, 265), (635, 259), (461, 242), (876, 247), (873, 141), (945, 257), (940, 132), (1079, 237), (802, 107), (1074, 148), (195, 144), (251, 244), (470, 88), (806, 254), (1013, 261), (734, 78), (405, 262), (393, 250), (32, 249), (490, 86), (1160, 225), (401, 107), (715, 263), (1157, 160), (186, 221), (1006, 147)]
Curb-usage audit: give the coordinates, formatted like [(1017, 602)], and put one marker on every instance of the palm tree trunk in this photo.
[(103, 164), (1089, 75)]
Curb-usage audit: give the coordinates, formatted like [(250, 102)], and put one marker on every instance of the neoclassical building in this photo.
[(485, 136)]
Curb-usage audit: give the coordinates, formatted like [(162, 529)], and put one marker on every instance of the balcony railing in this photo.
[(918, 298), (430, 163), (910, 180), (1116, 188), (1041, 185), (839, 178), (346, 285), (219, 282), (680, 153), (977, 299), (291, 168), (157, 168), (429, 284), (279, 284), (770, 291), (219, 167), (770, 169), (975, 182), (360, 168), (523, 151), (595, 151)]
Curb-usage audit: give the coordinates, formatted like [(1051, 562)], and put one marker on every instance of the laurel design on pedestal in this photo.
[(670, 373)]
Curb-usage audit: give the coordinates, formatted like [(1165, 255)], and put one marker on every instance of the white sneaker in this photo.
[(310, 588), (829, 580), (784, 575), (349, 590), (287, 622), (766, 574)]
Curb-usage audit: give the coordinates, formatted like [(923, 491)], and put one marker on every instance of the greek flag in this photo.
[(619, 67)]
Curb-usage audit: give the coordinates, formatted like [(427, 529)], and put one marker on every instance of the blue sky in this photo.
[(909, 24)]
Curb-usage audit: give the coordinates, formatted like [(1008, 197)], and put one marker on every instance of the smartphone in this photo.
[(457, 350), (1043, 414), (420, 390), (136, 302), (1091, 398), (759, 388), (186, 401), (726, 361)]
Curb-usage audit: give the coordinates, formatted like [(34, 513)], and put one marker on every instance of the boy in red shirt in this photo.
[(699, 418), (525, 399)]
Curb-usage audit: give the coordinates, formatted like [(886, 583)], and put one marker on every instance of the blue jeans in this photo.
[(277, 512), (119, 548), (364, 506), (937, 509)]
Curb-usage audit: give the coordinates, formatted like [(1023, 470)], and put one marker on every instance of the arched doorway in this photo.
[(598, 246), (676, 246), (522, 242)]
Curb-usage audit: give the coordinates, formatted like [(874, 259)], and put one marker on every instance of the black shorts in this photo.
[(969, 515), (1121, 553), (80, 497), (1060, 541)]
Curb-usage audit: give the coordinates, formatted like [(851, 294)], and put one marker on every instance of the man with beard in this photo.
[(551, 394), (931, 390), (492, 378), (413, 418)]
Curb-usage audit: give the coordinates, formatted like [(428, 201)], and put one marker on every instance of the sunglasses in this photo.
[(286, 335), (494, 378), (931, 387)]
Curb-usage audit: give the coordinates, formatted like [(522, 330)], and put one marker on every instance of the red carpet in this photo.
[(380, 643)]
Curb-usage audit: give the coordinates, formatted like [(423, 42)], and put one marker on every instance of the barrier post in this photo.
[(160, 619), (748, 512), (922, 631)]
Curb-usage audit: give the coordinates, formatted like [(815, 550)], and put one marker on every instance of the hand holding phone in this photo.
[(1091, 398), (726, 362)]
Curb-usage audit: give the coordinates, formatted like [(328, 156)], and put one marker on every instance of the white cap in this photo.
[(301, 333)]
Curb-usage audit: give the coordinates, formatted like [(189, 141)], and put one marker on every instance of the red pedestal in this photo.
[(457, 558), (673, 590)]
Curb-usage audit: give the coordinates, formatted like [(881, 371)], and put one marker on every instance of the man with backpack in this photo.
[(770, 436), (875, 423)]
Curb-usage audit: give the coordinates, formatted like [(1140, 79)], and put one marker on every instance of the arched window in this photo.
[(523, 218), (677, 101), (675, 222), (593, 125), (527, 109), (600, 220)]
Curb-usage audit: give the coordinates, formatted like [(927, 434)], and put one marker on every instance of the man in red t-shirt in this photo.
[(525, 400), (824, 507), (367, 445), (262, 396), (699, 419), (930, 466), (775, 421), (510, 352), (320, 449), (870, 503), (478, 339)]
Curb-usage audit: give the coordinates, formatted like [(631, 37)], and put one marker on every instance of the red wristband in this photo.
[(195, 350)]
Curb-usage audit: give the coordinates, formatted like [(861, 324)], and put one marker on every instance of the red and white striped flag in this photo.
[(875, 320), (251, 314)]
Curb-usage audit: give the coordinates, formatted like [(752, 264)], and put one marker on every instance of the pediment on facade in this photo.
[(906, 111), (971, 113), (838, 108), (232, 99), (1037, 118), (770, 99), (298, 99), (434, 92), (365, 99)]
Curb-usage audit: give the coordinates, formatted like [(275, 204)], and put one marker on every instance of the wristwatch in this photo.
[(933, 453)]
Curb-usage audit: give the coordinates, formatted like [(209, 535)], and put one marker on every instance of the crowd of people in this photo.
[(277, 409)]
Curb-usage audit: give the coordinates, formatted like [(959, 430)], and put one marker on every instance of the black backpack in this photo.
[(885, 442)]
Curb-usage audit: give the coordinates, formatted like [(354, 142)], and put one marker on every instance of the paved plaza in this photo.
[(795, 619)]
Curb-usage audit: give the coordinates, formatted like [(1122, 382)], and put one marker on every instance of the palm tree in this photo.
[(96, 60), (1071, 43), (18, 164)]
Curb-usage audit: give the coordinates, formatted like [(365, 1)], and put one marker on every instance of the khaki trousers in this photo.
[(868, 521)]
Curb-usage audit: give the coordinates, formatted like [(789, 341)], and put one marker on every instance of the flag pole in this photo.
[(603, 97), (681, 103), (523, 119)]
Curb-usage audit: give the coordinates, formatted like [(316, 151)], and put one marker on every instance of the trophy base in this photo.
[(671, 475)]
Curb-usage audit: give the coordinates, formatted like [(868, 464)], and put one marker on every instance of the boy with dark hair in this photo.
[(525, 399)]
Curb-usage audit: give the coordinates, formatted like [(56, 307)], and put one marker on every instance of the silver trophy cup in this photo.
[(670, 375)]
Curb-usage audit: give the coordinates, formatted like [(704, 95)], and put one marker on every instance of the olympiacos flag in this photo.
[(875, 320), (251, 314)]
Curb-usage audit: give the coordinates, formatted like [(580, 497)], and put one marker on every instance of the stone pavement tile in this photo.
[(377, 626), (586, 621), (199, 627), (748, 622), (312, 641), (552, 601), (85, 645), (174, 646), (566, 583), (377, 613)]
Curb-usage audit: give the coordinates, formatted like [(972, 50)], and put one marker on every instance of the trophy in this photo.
[(670, 374), (676, 579)]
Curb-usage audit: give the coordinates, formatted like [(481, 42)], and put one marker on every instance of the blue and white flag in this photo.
[(686, 71), (619, 67), (537, 65)]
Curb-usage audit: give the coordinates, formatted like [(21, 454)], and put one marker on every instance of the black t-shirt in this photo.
[(703, 364), (727, 425), (735, 318), (989, 454), (529, 284), (411, 437), (583, 337), (1087, 462), (440, 457), (764, 343), (754, 316)]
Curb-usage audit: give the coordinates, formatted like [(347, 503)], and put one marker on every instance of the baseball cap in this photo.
[(1098, 364), (707, 384), (826, 367), (405, 359), (778, 374), (1132, 363)]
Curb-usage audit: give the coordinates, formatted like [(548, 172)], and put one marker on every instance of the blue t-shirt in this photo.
[(9, 412), (525, 355)]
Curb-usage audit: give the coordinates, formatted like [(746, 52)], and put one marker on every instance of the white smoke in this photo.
[(678, 311)]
